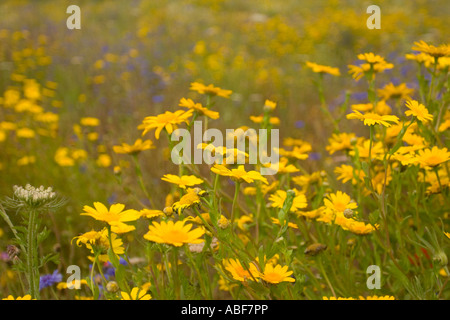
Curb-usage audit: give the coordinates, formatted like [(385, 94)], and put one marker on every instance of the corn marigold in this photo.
[(176, 234), (167, 120)]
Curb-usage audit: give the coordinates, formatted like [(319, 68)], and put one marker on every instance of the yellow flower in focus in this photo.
[(167, 120), (175, 234), (114, 216), (371, 118), (339, 201), (317, 68), (191, 198), (183, 181), (210, 90), (137, 147), (276, 274), (418, 110), (136, 294)]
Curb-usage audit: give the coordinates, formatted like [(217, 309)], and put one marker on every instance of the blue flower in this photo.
[(49, 279)]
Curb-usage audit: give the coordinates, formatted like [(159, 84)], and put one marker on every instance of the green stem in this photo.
[(141, 180), (236, 192), (32, 267)]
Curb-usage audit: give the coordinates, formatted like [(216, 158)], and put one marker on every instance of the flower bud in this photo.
[(112, 286)]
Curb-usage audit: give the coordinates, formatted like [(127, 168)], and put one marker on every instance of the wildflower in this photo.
[(150, 214), (24, 161), (269, 105), (317, 68), (283, 166), (103, 160), (74, 284), (137, 147), (25, 297), (89, 122), (25, 133), (276, 274), (390, 91), (167, 120), (238, 174), (430, 158), (259, 119), (341, 141), (191, 198), (182, 181), (279, 197), (243, 220), (89, 237), (290, 224), (190, 104), (374, 65), (371, 118), (225, 285), (114, 216), (339, 202), (49, 279), (421, 58), (238, 272), (210, 90), (418, 110), (136, 294), (175, 234), (346, 173), (436, 52), (447, 234), (298, 152)]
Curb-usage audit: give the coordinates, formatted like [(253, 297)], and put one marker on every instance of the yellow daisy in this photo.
[(176, 234)]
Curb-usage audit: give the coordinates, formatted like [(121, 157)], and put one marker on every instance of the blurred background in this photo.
[(133, 59)]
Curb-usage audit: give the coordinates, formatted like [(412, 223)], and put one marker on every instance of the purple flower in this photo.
[(49, 279), (299, 124)]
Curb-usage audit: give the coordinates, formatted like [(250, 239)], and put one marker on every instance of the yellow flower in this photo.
[(374, 63), (182, 181), (175, 234), (167, 120), (89, 122), (436, 52), (346, 173), (276, 274), (447, 234), (25, 133), (238, 272), (103, 160), (115, 216), (317, 68), (339, 201), (89, 237), (421, 58), (390, 91), (191, 198), (418, 110), (259, 119), (149, 214), (137, 147), (283, 166), (290, 224), (269, 105), (24, 161), (371, 118), (238, 174), (25, 297), (279, 197), (340, 141), (136, 294), (364, 148), (210, 90), (430, 158), (298, 152), (242, 220), (188, 103)]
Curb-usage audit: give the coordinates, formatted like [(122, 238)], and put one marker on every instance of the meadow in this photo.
[(358, 209)]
